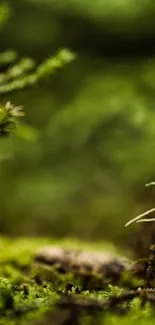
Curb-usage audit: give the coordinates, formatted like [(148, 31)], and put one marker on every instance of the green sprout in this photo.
[(19, 74), (8, 115)]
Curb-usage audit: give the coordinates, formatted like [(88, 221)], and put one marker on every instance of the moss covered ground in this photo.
[(38, 293)]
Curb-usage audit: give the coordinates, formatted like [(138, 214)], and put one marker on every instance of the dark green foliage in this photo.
[(118, 15)]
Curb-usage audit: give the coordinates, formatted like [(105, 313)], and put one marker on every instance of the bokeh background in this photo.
[(81, 170)]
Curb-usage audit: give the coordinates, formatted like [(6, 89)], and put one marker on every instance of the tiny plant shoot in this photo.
[(19, 73), (8, 114), (139, 219)]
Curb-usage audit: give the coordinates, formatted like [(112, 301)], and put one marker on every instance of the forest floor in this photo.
[(46, 282)]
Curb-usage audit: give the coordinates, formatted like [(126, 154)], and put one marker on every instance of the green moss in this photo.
[(30, 291)]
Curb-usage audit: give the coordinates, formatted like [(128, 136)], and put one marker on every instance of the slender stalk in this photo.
[(140, 216), (150, 184)]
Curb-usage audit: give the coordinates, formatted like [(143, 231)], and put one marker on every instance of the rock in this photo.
[(81, 262)]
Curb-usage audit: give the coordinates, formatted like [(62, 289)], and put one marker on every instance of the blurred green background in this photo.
[(83, 172)]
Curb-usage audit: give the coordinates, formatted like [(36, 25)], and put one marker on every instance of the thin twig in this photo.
[(145, 220), (139, 217), (150, 184)]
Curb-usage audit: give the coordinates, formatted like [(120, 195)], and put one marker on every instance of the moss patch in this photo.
[(33, 292)]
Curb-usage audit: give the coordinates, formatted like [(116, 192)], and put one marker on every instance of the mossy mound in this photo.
[(33, 292)]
